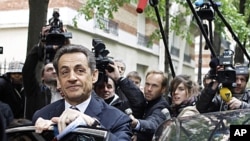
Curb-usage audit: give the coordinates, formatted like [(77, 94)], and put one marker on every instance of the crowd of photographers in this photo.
[(31, 90)]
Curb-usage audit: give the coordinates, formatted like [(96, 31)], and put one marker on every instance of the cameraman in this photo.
[(210, 100), (135, 97), (40, 93)]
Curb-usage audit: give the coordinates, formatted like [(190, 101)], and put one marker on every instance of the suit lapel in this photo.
[(95, 106)]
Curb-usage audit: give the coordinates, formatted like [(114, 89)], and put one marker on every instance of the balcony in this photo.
[(175, 51), (143, 40), (107, 25)]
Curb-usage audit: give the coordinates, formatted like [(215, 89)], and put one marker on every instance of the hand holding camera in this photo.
[(54, 33)]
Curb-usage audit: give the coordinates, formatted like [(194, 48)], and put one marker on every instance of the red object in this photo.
[(141, 6)]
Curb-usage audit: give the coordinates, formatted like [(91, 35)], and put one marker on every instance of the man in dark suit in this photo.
[(76, 69)]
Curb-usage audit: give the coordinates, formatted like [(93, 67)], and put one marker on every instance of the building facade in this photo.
[(125, 36)]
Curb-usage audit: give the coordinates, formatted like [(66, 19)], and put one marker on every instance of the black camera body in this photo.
[(102, 60), (227, 76), (206, 12), (56, 35)]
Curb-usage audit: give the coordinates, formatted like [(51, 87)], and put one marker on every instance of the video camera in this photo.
[(102, 60), (56, 35), (226, 76)]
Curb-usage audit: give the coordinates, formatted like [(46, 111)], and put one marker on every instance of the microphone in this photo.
[(214, 62), (141, 6), (129, 112), (166, 113), (225, 94)]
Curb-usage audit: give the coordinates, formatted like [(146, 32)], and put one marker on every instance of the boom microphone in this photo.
[(141, 6), (225, 94), (214, 62)]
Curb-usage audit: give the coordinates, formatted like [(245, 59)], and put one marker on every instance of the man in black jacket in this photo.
[(40, 90), (156, 109), (210, 100), (134, 97), (11, 89)]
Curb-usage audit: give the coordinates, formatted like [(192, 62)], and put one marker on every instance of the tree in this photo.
[(234, 11), (244, 9), (37, 19)]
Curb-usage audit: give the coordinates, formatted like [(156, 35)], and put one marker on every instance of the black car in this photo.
[(214, 126), (27, 133)]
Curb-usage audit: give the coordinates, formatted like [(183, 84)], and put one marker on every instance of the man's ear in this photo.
[(163, 90), (95, 75)]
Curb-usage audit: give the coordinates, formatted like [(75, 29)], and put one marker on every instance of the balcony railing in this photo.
[(143, 40), (107, 25), (175, 51), (187, 58)]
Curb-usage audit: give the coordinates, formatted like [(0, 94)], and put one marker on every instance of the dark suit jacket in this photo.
[(153, 117), (110, 117)]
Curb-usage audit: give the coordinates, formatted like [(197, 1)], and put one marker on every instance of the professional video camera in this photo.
[(102, 60), (56, 34), (226, 76)]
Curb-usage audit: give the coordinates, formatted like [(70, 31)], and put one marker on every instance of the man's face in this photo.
[(105, 89), (16, 78), (75, 77), (120, 67), (153, 88), (136, 81), (241, 83), (49, 74)]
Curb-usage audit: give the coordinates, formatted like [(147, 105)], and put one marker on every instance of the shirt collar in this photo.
[(82, 106)]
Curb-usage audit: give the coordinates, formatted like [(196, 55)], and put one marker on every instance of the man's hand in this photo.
[(234, 103), (134, 121), (68, 116), (115, 75), (42, 124)]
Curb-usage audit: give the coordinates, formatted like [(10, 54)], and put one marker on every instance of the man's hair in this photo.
[(121, 61), (164, 77), (73, 48), (134, 74)]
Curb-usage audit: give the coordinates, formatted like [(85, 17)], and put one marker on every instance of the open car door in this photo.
[(27, 133)]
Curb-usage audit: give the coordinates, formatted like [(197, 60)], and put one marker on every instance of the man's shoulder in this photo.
[(4, 77), (104, 107), (54, 105), (50, 110)]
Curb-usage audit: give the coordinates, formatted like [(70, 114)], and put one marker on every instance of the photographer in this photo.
[(135, 96), (107, 68), (45, 91), (210, 99)]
